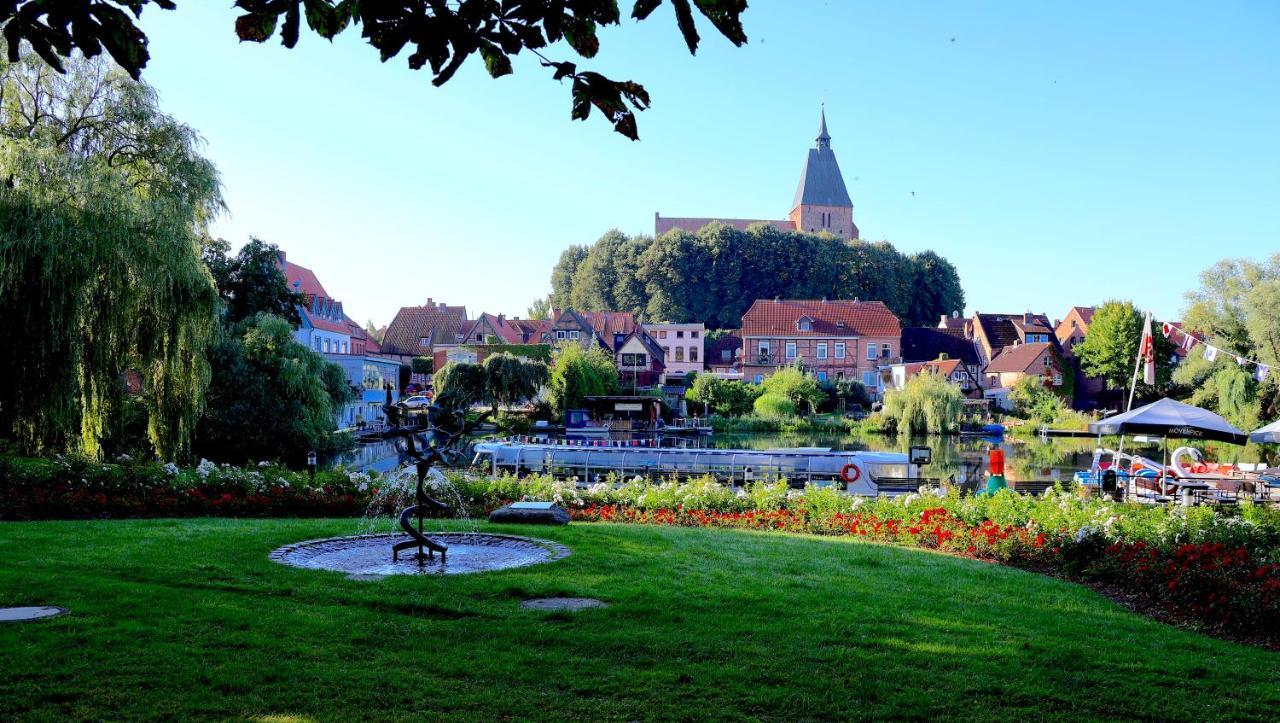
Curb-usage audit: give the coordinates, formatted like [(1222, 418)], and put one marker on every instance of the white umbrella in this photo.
[(1269, 434)]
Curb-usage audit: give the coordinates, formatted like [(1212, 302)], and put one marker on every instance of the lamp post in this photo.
[(311, 464)]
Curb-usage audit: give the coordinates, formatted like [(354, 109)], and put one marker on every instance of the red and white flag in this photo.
[(1147, 351), (1167, 329)]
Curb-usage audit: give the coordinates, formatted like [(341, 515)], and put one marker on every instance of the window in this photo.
[(679, 353), (886, 351), (633, 360), (693, 335), (679, 334), (693, 353), (869, 379), (873, 350), (759, 378), (662, 334), (822, 350), (316, 342), (764, 350), (574, 334), (726, 355), (839, 350), (822, 376), (1057, 380), (791, 350), (804, 325), (560, 333)]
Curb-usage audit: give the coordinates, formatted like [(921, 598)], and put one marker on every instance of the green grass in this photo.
[(188, 618)]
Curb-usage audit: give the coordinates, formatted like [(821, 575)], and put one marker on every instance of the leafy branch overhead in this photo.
[(441, 34)]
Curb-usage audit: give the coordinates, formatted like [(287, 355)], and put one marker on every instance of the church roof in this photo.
[(820, 182)]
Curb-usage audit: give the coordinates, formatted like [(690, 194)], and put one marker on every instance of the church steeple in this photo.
[(824, 139), (822, 202)]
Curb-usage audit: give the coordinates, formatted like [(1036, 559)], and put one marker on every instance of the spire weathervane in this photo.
[(824, 139)]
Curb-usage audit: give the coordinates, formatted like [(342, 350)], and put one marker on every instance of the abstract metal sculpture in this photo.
[(425, 451)]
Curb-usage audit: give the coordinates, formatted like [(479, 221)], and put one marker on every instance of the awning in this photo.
[(1168, 418), (1269, 434)]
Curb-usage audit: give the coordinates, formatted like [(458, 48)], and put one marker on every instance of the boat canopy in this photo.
[(1169, 418)]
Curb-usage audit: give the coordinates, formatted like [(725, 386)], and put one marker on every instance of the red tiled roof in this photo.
[(663, 224), (303, 280), (440, 323), (859, 318), (1018, 358), (609, 322), (945, 367)]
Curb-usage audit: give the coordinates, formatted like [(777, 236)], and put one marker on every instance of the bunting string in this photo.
[(1189, 340)]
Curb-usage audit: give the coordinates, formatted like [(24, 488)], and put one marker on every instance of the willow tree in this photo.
[(102, 202)]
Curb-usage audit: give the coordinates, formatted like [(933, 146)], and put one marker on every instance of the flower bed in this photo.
[(1219, 567)]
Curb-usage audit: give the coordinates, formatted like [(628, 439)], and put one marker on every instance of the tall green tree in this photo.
[(1110, 349), (103, 202), (443, 35), (540, 309), (251, 281), (562, 276), (459, 385), (271, 398), (511, 380), (577, 373)]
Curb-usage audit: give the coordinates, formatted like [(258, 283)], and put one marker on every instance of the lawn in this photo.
[(188, 618)]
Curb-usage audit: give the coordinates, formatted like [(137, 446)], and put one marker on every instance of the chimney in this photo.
[(430, 301), (442, 306), (1026, 317)]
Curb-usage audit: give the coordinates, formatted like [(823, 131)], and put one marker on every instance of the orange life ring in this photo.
[(844, 472)]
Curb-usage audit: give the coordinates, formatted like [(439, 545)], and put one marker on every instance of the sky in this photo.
[(1058, 154)]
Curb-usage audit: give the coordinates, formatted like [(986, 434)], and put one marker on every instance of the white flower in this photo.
[(264, 463), (123, 458), (205, 468), (171, 469)]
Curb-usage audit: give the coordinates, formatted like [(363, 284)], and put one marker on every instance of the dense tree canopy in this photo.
[(714, 275), (251, 281), (271, 398), (443, 35), (1110, 349), (103, 200), (577, 373), (1237, 310)]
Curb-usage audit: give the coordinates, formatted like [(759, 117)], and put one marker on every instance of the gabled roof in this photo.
[(945, 367), (439, 323), (1002, 330), (604, 323), (303, 280), (830, 318), (1085, 313), (1018, 358), (820, 181), (922, 344), (651, 346), (504, 329)]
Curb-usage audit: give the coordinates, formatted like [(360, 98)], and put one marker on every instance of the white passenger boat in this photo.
[(858, 472)]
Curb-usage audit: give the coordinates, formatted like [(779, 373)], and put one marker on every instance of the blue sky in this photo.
[(1056, 153)]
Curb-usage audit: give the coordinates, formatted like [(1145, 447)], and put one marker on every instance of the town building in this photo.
[(993, 333), (724, 355), (418, 330), (323, 324), (1039, 359), (1074, 327), (368, 377), (641, 362), (830, 339), (942, 351), (604, 328), (821, 203), (683, 345)]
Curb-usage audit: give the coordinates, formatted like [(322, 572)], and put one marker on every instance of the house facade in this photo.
[(323, 324), (419, 330), (724, 356), (993, 333), (683, 345), (1073, 328), (1038, 359), (830, 339), (938, 350), (641, 361), (368, 377)]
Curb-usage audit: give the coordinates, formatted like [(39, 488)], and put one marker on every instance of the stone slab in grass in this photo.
[(34, 612), (530, 513), (563, 603)]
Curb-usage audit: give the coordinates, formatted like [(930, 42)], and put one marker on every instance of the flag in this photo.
[(1210, 352), (1241, 361), (1167, 329), (1261, 372), (1147, 350), (1188, 341)]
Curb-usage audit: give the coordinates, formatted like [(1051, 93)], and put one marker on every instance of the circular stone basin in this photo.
[(362, 556), (17, 615), (563, 603)]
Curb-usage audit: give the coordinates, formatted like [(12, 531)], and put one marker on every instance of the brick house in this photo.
[(1040, 359), (683, 345), (993, 333), (940, 350), (724, 356), (419, 330), (831, 339), (606, 328)]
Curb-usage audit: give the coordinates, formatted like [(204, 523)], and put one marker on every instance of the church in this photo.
[(821, 203)]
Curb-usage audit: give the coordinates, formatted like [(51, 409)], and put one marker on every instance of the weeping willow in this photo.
[(927, 404), (102, 202)]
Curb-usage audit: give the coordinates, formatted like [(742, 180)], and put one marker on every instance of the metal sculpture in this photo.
[(425, 450)]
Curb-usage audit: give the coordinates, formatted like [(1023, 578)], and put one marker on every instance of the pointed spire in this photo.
[(824, 139)]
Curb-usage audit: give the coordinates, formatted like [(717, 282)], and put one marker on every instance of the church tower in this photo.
[(822, 202)]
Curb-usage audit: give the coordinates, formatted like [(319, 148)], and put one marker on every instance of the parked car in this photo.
[(418, 401)]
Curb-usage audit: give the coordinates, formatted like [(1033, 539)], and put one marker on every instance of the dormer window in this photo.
[(804, 323)]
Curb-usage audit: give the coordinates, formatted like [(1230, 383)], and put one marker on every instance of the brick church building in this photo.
[(821, 202)]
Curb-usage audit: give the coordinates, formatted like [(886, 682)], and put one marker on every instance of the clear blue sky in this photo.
[(1056, 153)]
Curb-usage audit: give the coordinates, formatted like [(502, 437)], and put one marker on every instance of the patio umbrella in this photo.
[(1269, 434), (1167, 418)]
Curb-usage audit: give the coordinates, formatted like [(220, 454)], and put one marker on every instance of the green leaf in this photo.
[(256, 27), (644, 8), (495, 61), (292, 24), (684, 19)]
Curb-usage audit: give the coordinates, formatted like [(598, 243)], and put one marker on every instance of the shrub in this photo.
[(927, 404), (771, 405)]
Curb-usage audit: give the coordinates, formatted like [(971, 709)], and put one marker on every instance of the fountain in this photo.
[(363, 556)]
